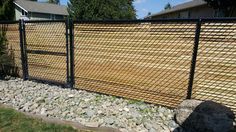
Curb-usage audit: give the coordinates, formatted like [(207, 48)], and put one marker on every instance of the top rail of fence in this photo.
[(9, 22), (45, 21), (135, 21), (159, 20), (223, 19)]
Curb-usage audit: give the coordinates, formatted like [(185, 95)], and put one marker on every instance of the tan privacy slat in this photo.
[(13, 41), (215, 77), (147, 62), (126, 91), (143, 61), (152, 61), (48, 37)]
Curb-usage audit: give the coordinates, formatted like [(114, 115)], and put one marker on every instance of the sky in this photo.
[(144, 6)]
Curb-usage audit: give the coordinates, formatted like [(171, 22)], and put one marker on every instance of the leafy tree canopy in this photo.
[(167, 6), (54, 1), (101, 9), (226, 6), (7, 10)]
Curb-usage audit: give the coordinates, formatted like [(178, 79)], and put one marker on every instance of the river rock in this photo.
[(85, 107)]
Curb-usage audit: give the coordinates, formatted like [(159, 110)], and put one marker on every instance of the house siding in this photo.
[(195, 12), (201, 11), (18, 13), (59, 17), (40, 16), (44, 16)]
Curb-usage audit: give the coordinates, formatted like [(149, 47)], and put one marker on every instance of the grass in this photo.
[(11, 120), (137, 102)]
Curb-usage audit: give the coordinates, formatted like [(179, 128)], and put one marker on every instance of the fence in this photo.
[(158, 61)]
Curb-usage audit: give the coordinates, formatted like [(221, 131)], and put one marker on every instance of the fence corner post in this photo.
[(23, 49), (194, 59), (71, 33)]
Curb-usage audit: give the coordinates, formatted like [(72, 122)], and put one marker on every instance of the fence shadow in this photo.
[(209, 117)]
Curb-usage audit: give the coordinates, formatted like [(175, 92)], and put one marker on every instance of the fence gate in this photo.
[(45, 44)]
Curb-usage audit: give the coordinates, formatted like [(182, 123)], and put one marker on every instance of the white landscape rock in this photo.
[(88, 108)]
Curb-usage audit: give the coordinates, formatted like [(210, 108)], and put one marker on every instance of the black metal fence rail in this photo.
[(59, 52)]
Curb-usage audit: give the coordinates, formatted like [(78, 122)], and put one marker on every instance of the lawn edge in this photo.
[(75, 125)]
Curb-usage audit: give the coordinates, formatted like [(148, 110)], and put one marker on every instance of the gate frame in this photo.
[(24, 52)]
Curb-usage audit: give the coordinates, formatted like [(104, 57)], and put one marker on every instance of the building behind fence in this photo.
[(157, 61)]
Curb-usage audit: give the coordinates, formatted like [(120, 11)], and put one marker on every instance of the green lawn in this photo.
[(11, 120)]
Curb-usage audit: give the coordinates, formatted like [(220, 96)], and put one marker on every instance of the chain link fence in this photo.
[(46, 50), (146, 61), (11, 31), (157, 61), (215, 74)]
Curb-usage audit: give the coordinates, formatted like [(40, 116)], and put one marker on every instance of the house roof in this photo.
[(187, 5), (30, 6)]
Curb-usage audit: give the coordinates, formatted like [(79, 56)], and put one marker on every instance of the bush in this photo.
[(7, 66)]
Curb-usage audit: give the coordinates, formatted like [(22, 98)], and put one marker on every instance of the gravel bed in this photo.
[(87, 108)]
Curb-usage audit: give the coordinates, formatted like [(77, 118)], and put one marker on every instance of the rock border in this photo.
[(75, 125)]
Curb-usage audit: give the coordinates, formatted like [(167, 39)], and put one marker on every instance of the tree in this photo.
[(7, 10), (226, 6), (6, 13), (101, 9), (54, 1), (167, 6)]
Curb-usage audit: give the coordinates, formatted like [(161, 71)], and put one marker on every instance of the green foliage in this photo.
[(11, 120), (226, 6), (98, 98), (2, 43), (7, 10), (101, 9), (7, 66), (54, 1), (137, 102), (5, 58), (167, 6)]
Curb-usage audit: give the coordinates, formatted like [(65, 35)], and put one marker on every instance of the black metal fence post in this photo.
[(23, 50), (194, 58), (67, 53), (72, 74)]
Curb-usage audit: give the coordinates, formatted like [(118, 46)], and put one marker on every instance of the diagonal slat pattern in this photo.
[(46, 37), (144, 61), (215, 77), (13, 40)]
